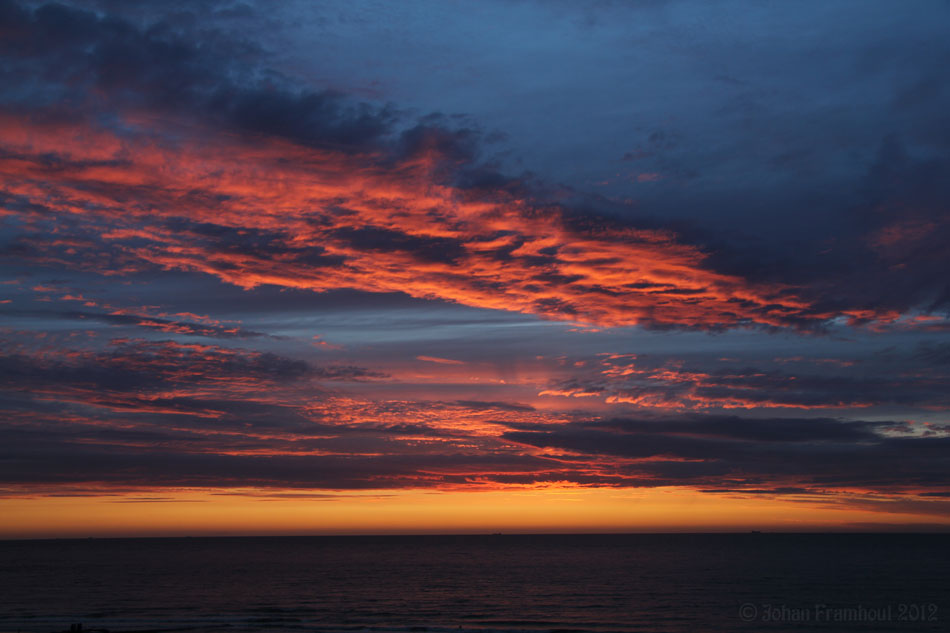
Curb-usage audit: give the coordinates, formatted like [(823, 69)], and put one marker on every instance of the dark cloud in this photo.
[(885, 248), (933, 353), (717, 452), (504, 406), (162, 324), (154, 366), (159, 458), (61, 54), (753, 429), (178, 70), (345, 372), (798, 382), (430, 138), (427, 249)]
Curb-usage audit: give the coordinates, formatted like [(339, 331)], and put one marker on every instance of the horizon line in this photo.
[(938, 530)]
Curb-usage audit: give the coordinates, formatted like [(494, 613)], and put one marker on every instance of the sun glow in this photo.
[(536, 510)]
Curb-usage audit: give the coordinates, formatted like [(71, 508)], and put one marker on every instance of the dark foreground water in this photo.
[(708, 582)]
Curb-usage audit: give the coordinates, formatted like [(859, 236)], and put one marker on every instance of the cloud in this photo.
[(724, 452), (271, 185), (161, 468), (161, 375), (157, 148), (933, 353), (808, 383), (131, 318), (440, 361), (147, 415), (300, 218), (882, 251), (714, 454), (171, 69)]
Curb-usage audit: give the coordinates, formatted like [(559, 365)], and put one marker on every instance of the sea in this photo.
[(479, 583)]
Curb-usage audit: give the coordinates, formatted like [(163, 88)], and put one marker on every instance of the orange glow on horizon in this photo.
[(537, 510)]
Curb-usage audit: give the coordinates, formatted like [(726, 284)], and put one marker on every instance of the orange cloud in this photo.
[(271, 212), (441, 361)]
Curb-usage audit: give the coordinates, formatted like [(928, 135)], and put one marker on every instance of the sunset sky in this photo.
[(523, 265)]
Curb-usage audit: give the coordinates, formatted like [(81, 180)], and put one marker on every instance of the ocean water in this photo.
[(597, 583)]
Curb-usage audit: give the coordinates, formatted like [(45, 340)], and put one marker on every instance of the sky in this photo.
[(418, 267)]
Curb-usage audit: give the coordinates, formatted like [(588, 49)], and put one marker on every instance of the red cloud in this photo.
[(270, 212), (441, 361)]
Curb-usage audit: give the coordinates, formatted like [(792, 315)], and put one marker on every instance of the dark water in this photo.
[(676, 583)]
